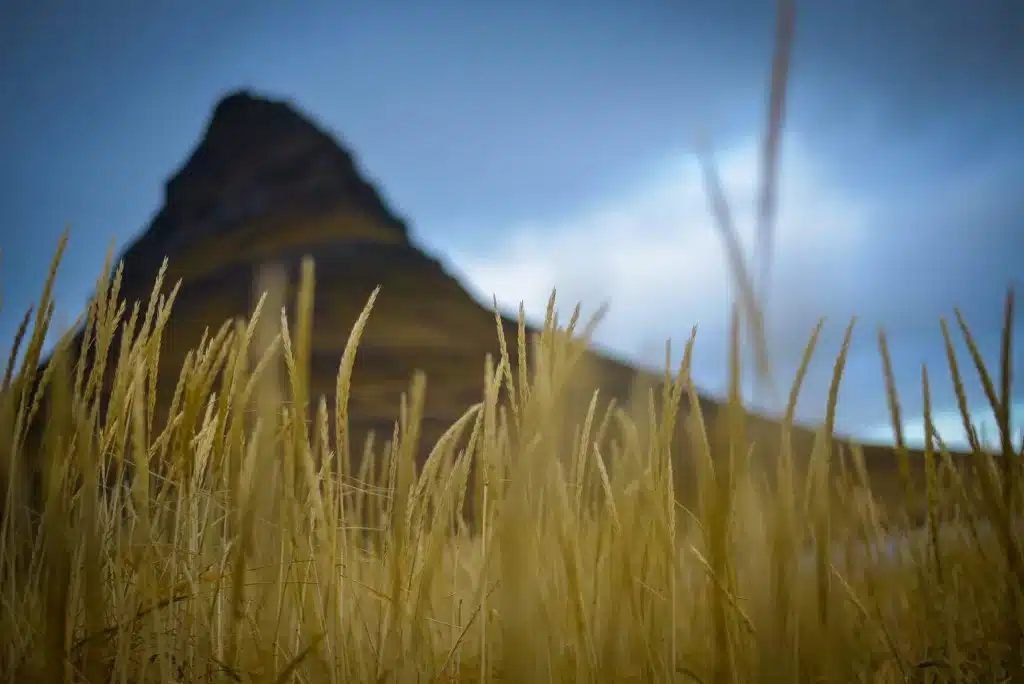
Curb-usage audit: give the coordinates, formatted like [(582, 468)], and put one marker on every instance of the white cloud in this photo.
[(949, 425), (655, 256)]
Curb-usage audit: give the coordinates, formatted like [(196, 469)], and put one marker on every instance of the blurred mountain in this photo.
[(265, 187)]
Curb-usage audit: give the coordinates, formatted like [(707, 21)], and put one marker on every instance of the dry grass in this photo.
[(232, 543), (236, 548)]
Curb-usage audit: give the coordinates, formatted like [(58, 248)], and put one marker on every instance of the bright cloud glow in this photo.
[(949, 426), (655, 256)]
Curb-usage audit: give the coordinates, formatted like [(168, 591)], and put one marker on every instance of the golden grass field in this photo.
[(236, 548), (238, 541)]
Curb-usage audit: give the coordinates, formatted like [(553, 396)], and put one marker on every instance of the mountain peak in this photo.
[(263, 177), (244, 102), (261, 155)]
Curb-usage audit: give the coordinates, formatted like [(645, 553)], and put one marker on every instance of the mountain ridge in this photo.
[(266, 186)]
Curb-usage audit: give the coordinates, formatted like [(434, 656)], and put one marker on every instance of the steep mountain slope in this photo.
[(266, 186)]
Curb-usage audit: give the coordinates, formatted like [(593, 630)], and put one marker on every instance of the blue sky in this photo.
[(541, 144)]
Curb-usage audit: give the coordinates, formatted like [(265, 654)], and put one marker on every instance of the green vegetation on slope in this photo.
[(249, 558)]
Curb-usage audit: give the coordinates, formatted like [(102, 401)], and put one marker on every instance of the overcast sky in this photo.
[(540, 144)]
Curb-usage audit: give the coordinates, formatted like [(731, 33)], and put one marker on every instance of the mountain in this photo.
[(266, 185)]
